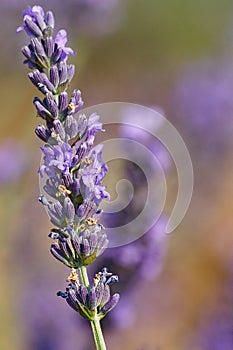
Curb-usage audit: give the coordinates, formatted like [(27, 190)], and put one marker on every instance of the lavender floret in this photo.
[(54, 76), (50, 19), (61, 40), (43, 133), (32, 28), (63, 102), (63, 74)]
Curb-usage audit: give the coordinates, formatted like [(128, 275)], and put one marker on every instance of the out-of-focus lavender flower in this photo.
[(13, 159), (144, 256), (134, 122), (141, 260), (203, 104), (138, 263), (133, 128)]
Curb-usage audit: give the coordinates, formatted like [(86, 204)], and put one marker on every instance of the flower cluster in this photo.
[(79, 249), (72, 168), (93, 301)]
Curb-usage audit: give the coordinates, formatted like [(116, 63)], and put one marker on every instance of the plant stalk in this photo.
[(95, 324)]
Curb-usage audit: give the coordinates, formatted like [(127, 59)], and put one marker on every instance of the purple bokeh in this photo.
[(204, 106), (13, 158)]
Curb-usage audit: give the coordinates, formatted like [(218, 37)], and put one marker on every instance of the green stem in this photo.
[(95, 324), (84, 276), (98, 335)]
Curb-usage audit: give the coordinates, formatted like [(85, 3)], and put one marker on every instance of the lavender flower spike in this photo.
[(72, 168)]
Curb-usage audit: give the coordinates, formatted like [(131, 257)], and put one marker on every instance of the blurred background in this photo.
[(176, 290)]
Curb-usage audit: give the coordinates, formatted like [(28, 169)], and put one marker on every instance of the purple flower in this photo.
[(72, 169), (95, 301), (94, 125), (62, 213), (31, 14), (56, 158), (92, 174), (80, 249), (36, 23), (43, 51), (61, 40)]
